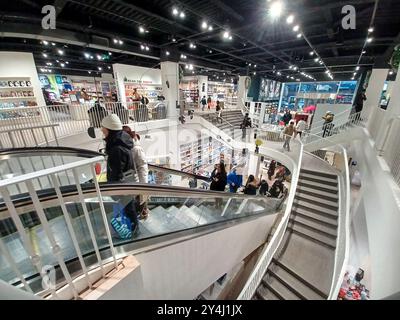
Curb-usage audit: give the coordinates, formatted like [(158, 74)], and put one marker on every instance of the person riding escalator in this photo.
[(119, 147)]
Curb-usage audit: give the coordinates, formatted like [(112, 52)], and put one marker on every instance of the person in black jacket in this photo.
[(287, 117), (219, 182), (119, 146)]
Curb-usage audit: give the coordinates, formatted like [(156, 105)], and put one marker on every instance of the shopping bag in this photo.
[(120, 222)]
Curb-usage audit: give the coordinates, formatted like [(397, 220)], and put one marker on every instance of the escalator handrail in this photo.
[(87, 154), (124, 189)]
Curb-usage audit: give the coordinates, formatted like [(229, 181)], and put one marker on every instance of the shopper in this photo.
[(203, 103), (277, 189), (119, 147), (234, 181), (209, 102), (271, 169), (288, 133), (327, 127), (251, 185), (218, 110), (119, 109), (300, 127), (97, 114), (263, 188), (359, 101), (287, 117), (246, 123), (219, 182), (140, 170), (273, 117)]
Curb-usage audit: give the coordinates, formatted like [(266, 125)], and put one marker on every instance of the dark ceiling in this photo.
[(257, 39)]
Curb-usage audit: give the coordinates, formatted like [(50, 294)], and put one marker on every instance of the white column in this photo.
[(392, 111), (373, 93), (170, 85), (242, 90)]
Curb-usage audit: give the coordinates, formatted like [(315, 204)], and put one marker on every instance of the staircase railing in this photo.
[(269, 251)]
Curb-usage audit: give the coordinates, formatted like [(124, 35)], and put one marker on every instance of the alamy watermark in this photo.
[(49, 20), (349, 20)]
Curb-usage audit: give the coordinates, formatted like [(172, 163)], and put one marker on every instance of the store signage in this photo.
[(349, 20)]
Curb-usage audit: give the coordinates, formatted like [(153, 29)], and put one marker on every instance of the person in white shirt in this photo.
[(301, 126)]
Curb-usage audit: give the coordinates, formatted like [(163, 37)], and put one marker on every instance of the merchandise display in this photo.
[(16, 92), (134, 91), (226, 93), (190, 92), (352, 288)]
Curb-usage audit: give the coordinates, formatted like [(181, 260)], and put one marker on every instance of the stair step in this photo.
[(318, 186), (309, 291), (264, 294), (317, 208), (272, 272), (314, 226), (278, 288), (317, 193), (319, 173), (318, 179), (323, 203), (328, 221), (312, 236)]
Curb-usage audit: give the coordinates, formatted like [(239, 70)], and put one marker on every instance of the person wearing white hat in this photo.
[(119, 146)]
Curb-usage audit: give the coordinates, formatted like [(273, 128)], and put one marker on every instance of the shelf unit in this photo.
[(19, 94), (226, 93)]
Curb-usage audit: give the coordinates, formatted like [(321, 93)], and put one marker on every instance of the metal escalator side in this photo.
[(80, 229)]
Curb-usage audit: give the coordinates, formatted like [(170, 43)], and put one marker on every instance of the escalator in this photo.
[(175, 212)]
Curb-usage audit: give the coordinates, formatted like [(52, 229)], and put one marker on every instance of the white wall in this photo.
[(381, 202), (21, 64), (184, 270)]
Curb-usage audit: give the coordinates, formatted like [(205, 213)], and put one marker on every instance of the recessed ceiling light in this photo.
[(182, 15), (109, 67), (141, 29), (369, 40), (292, 78), (57, 61), (226, 35), (60, 52), (316, 59), (110, 54), (89, 72), (62, 65), (296, 28), (204, 25), (175, 11), (87, 55), (390, 72), (98, 57), (167, 53), (173, 40), (358, 68), (100, 68), (320, 62), (120, 42), (278, 73), (254, 73), (45, 42), (44, 55), (147, 48), (115, 40), (66, 62), (91, 57), (363, 52), (230, 37), (290, 19), (312, 53), (298, 35), (370, 30), (53, 44), (210, 28), (49, 70)]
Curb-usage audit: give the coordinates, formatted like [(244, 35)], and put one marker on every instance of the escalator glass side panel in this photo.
[(168, 214)]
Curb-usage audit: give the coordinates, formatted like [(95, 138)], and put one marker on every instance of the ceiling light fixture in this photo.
[(120, 42), (210, 28), (290, 19), (53, 44), (312, 53), (60, 52), (390, 72), (142, 47), (369, 40), (109, 67), (141, 29), (296, 28), (62, 65), (358, 68), (276, 9), (167, 53), (100, 68), (147, 48), (44, 55), (45, 42), (115, 40), (66, 62), (370, 30), (87, 55), (110, 54), (298, 35), (98, 57), (204, 25), (173, 40), (226, 35), (254, 73), (363, 52), (175, 11), (182, 15)]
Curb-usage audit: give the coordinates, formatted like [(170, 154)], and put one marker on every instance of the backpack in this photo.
[(120, 222)]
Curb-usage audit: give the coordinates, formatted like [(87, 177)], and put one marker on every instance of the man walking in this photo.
[(288, 133)]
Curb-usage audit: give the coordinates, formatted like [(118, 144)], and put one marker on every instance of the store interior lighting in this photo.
[(296, 28), (44, 55), (45, 42), (290, 19), (204, 25), (276, 9)]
